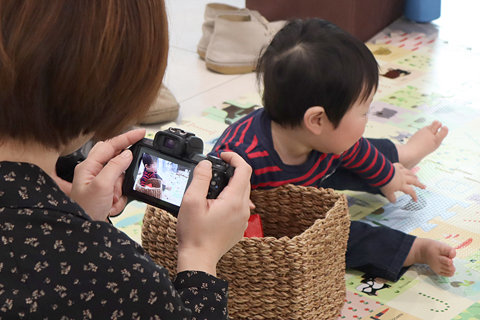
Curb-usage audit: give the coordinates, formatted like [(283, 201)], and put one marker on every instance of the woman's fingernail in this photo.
[(205, 164), (126, 154)]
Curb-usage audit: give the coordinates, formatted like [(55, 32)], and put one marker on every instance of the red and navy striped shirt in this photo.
[(146, 175), (251, 138)]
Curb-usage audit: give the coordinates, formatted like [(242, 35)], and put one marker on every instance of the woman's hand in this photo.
[(402, 181), (97, 183), (208, 228)]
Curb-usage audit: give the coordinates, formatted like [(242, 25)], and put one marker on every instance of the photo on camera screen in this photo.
[(162, 179)]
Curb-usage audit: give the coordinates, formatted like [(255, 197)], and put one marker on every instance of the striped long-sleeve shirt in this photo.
[(147, 175), (251, 138)]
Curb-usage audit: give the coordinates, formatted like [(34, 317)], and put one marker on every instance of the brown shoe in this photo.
[(164, 109)]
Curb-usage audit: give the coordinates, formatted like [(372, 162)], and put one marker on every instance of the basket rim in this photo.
[(330, 214)]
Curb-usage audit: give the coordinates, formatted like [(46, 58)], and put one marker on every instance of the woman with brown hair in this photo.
[(69, 71)]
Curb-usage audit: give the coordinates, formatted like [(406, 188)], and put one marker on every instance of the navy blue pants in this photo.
[(377, 251)]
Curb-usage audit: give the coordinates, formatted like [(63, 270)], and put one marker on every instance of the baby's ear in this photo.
[(314, 119)]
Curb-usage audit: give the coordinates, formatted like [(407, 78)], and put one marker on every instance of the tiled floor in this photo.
[(459, 23), (193, 85)]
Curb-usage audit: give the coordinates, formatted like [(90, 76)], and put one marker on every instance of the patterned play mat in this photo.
[(422, 79)]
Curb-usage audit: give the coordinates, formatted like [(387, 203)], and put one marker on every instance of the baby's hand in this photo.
[(402, 181)]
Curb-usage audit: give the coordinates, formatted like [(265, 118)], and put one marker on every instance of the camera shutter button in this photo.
[(216, 160)]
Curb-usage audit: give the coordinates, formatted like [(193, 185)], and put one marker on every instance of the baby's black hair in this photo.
[(314, 63), (147, 159)]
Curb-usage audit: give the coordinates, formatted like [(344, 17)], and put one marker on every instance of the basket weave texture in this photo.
[(295, 272), (156, 189)]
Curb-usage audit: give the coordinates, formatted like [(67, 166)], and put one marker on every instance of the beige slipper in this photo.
[(165, 108), (237, 41), (212, 10)]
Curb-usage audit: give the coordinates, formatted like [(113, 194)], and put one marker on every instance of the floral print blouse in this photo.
[(56, 263)]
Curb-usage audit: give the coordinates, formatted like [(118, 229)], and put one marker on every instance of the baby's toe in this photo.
[(435, 126)]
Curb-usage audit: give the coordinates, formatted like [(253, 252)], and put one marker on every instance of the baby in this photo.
[(319, 82), (150, 169)]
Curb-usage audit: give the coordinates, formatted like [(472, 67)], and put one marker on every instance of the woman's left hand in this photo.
[(97, 183)]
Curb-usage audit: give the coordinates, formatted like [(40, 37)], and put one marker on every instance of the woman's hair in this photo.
[(314, 63), (72, 67)]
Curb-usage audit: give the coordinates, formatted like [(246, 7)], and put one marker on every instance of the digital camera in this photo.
[(162, 169)]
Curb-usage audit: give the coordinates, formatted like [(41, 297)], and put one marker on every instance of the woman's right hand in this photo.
[(208, 228)]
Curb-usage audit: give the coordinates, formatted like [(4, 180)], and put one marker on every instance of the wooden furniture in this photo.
[(362, 18)]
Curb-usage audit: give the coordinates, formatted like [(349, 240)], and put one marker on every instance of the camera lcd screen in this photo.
[(161, 178)]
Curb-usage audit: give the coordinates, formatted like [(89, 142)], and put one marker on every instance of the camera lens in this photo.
[(169, 143)]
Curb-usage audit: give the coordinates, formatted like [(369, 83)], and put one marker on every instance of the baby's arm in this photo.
[(402, 180)]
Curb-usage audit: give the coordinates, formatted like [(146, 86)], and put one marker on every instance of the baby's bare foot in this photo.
[(438, 255), (421, 144)]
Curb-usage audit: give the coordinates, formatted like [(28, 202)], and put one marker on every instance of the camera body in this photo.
[(162, 169)]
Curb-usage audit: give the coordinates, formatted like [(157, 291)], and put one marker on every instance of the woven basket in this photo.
[(156, 189), (295, 272)]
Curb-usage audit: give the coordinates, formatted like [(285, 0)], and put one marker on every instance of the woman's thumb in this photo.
[(201, 178)]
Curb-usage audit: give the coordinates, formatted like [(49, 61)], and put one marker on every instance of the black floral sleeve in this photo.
[(204, 294), (56, 263)]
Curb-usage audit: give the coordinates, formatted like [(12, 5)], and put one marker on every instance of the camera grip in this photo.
[(221, 174)]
